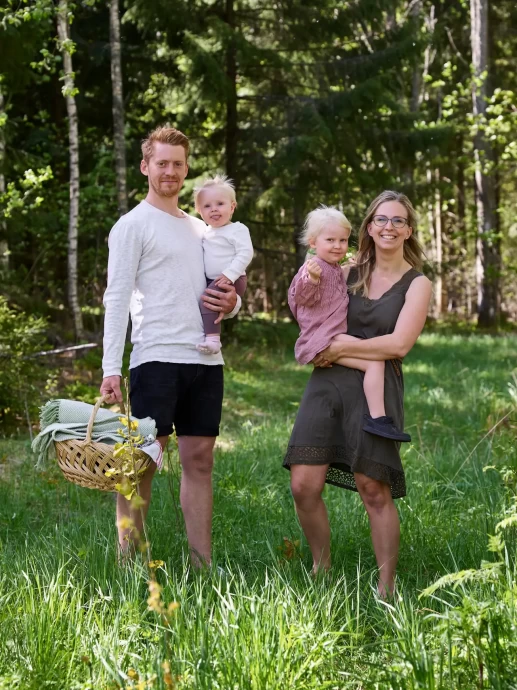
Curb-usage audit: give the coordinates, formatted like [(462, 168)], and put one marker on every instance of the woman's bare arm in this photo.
[(396, 345)]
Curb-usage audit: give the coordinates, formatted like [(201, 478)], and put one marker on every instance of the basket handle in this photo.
[(96, 407)]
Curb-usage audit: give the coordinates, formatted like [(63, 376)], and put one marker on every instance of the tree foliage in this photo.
[(302, 104)]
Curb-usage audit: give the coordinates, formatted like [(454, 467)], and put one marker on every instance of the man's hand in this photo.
[(314, 271), (222, 300), (110, 387)]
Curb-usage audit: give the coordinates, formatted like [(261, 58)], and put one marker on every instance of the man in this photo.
[(156, 272)]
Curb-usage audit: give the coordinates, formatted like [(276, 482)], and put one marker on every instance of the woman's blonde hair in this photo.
[(220, 181), (317, 220), (365, 257)]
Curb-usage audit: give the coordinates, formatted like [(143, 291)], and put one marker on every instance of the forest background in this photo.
[(301, 104)]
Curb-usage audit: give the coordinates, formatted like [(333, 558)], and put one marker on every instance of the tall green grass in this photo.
[(70, 617)]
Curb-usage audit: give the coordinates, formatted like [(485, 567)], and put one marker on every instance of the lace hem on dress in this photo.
[(340, 473)]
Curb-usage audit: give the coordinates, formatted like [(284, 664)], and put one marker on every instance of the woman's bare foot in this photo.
[(319, 570), (386, 590)]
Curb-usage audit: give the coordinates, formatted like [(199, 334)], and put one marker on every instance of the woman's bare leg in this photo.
[(307, 483), (385, 528)]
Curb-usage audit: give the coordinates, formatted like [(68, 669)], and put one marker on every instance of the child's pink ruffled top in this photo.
[(320, 310)]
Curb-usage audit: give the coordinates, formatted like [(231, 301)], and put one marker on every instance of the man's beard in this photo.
[(167, 192)]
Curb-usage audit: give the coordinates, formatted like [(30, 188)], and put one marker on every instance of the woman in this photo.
[(389, 299)]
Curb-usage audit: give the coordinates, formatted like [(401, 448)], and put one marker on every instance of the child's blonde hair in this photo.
[(317, 219), (220, 181)]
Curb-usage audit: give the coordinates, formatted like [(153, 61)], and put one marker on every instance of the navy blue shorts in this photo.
[(185, 397)]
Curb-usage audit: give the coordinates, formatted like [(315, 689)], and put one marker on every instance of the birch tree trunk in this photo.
[(118, 108), (4, 246), (66, 47), (232, 126), (488, 255)]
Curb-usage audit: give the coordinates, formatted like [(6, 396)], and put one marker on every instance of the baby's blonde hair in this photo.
[(220, 181), (317, 219)]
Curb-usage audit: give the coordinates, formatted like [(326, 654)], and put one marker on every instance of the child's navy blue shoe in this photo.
[(384, 426)]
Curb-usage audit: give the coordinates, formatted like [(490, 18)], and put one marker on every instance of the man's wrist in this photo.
[(235, 310), (112, 372)]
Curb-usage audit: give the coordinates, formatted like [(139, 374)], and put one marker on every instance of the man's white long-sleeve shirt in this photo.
[(155, 273)]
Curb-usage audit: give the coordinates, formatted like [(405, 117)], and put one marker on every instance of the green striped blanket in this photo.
[(62, 420)]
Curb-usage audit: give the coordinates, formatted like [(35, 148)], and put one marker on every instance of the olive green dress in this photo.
[(328, 426)]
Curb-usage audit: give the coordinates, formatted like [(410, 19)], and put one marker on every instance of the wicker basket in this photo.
[(86, 462)]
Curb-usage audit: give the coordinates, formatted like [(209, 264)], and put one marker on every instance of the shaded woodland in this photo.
[(300, 104)]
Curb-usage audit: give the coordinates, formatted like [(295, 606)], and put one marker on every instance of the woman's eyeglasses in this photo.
[(396, 221)]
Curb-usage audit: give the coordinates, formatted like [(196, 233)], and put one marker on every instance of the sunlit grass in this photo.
[(70, 617)]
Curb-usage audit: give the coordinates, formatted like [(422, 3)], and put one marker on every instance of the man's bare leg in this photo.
[(197, 461)]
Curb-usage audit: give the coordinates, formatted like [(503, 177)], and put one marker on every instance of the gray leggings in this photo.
[(208, 316)]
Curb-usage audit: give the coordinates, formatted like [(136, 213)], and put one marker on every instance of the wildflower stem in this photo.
[(136, 474)]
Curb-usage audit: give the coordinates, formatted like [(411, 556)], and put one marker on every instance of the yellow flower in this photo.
[(167, 678), (137, 502), (156, 564), (125, 523), (131, 673), (154, 601), (143, 546), (124, 487)]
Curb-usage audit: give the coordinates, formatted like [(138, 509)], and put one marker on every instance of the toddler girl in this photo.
[(227, 250), (318, 298)]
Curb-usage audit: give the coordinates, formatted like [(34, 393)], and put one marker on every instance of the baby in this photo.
[(318, 298), (227, 250)]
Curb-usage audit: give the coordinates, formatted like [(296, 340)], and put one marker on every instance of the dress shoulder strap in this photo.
[(402, 285), (409, 276)]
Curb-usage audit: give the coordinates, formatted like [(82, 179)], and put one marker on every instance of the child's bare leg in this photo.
[(373, 378), (378, 423), (373, 384)]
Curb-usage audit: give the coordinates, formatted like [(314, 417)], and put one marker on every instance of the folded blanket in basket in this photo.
[(62, 420)]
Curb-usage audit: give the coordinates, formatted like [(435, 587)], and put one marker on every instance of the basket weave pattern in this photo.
[(85, 462)]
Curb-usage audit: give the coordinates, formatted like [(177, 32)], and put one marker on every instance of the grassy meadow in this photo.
[(71, 618)]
